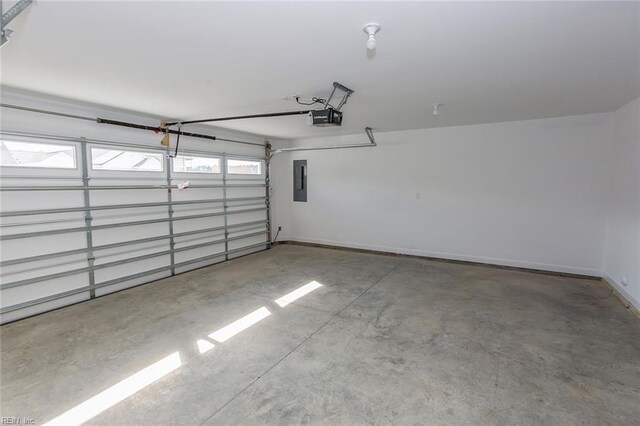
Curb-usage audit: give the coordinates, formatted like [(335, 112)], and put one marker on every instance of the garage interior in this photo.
[(320, 213)]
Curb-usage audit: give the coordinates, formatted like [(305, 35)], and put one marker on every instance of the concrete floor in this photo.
[(385, 340)]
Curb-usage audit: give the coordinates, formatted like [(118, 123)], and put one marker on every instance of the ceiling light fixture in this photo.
[(371, 30), (436, 112)]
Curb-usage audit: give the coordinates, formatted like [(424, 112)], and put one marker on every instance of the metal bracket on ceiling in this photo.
[(367, 130), (347, 92), (15, 10)]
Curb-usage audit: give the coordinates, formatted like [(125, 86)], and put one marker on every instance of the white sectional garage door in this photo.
[(83, 218)]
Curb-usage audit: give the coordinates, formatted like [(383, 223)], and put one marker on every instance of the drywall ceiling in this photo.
[(485, 61)]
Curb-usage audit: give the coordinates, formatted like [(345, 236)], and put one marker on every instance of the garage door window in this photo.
[(128, 161), (192, 164), (244, 167), (27, 154)]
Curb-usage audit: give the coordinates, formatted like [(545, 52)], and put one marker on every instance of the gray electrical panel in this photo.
[(300, 180)]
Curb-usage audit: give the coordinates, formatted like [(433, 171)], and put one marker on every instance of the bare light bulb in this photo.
[(371, 42), (371, 30)]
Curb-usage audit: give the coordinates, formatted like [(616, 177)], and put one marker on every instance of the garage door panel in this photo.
[(129, 233), (124, 196), (246, 241), (36, 246), (203, 212), (238, 192), (45, 266), (248, 231), (180, 211), (125, 215), (33, 270), (34, 200), (213, 249), (101, 291), (198, 224), (119, 271), (194, 193), (248, 216), (129, 252), (199, 238), (25, 293), (13, 222)]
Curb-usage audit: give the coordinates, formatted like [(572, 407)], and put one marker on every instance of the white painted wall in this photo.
[(622, 256), (529, 193)]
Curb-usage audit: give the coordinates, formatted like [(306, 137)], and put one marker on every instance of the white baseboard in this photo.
[(453, 256), (623, 294)]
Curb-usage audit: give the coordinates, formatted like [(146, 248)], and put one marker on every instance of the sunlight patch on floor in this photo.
[(118, 392), (298, 293), (204, 345), (237, 326)]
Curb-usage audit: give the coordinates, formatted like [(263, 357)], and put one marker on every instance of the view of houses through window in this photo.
[(118, 159), (25, 154), (244, 167), (28, 154), (192, 164)]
